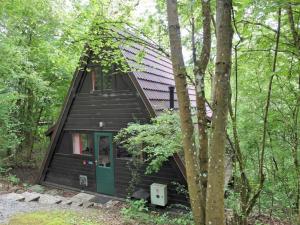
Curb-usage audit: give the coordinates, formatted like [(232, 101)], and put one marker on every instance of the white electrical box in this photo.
[(159, 195)]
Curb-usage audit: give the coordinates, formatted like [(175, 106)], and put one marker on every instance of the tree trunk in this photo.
[(200, 68), (295, 147), (216, 173), (180, 74), (296, 38)]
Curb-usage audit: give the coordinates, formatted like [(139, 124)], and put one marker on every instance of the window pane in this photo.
[(104, 150), (82, 144), (102, 78), (98, 78), (107, 79), (76, 144)]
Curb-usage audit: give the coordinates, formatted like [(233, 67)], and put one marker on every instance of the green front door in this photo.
[(104, 163)]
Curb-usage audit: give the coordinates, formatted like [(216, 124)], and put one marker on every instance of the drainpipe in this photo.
[(171, 99)]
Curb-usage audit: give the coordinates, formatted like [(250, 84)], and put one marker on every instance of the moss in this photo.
[(54, 218)]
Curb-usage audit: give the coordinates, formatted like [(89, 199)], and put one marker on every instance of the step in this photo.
[(77, 204), (88, 204), (66, 201), (49, 199), (31, 196), (14, 197), (81, 200), (82, 197)]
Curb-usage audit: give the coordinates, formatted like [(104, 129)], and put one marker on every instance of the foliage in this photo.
[(45, 40), (180, 189), (255, 57), (8, 137), (41, 42), (13, 179), (134, 167), (138, 211), (4, 171), (33, 83), (157, 141)]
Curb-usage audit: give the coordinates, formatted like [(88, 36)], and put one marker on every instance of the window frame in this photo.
[(90, 144), (98, 75)]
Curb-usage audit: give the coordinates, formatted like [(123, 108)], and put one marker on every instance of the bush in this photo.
[(158, 140), (13, 179), (138, 211)]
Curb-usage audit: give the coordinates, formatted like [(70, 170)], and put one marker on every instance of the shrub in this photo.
[(139, 212), (158, 140)]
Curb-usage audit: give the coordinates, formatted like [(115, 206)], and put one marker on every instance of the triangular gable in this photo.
[(152, 85)]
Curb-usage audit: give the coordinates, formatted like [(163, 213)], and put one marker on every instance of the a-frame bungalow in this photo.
[(82, 154)]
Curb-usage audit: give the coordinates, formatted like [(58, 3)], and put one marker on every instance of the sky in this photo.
[(147, 7), (144, 8)]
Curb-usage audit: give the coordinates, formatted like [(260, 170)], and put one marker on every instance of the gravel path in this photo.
[(8, 208)]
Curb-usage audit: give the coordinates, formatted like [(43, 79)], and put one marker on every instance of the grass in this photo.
[(54, 218)]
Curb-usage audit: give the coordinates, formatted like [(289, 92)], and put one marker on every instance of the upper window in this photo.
[(82, 144), (102, 78)]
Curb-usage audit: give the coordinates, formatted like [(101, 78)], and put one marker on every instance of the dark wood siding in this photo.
[(65, 143), (114, 109), (66, 168), (86, 84), (168, 174)]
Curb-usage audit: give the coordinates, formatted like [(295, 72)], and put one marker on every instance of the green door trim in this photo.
[(105, 179)]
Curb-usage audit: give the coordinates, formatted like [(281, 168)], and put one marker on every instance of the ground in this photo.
[(34, 213)]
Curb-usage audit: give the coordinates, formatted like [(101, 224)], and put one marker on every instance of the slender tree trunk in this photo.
[(242, 183), (200, 68), (216, 173), (180, 74), (265, 124), (246, 191), (296, 38), (35, 130), (295, 147), (20, 110), (29, 123)]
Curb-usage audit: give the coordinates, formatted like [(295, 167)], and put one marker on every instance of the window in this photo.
[(122, 152), (82, 144), (104, 151), (102, 78)]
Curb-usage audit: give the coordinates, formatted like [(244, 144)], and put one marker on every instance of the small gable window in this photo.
[(103, 78), (82, 144)]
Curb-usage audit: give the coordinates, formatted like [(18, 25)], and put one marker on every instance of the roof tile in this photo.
[(155, 75)]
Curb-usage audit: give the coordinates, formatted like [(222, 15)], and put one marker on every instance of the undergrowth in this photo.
[(137, 210)]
